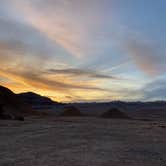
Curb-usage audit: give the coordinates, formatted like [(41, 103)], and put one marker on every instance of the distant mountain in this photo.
[(36, 99), (11, 104), (137, 110)]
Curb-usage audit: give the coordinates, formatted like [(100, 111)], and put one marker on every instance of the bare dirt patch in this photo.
[(82, 141)]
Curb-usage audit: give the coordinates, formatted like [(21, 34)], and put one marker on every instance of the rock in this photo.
[(71, 111), (6, 117), (20, 118), (115, 114)]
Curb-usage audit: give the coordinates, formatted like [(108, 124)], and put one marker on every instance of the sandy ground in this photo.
[(82, 142)]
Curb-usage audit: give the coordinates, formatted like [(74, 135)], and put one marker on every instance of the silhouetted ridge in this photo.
[(36, 99), (12, 106)]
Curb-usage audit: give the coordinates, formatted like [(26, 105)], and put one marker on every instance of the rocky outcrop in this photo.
[(12, 107), (115, 114), (71, 111)]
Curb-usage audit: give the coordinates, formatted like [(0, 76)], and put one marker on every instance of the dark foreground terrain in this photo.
[(62, 141)]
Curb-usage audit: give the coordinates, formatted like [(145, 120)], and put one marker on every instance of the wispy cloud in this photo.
[(155, 90), (147, 56), (36, 79), (81, 73), (65, 22)]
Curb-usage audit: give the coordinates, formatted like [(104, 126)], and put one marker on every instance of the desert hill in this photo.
[(34, 99), (11, 104)]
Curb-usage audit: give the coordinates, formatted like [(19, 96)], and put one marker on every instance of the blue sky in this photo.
[(74, 50)]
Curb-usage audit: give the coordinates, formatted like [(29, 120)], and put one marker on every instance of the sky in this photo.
[(84, 50)]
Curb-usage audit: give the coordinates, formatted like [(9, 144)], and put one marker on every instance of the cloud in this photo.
[(25, 53), (68, 23), (23, 45), (81, 31), (146, 56), (80, 73), (155, 90), (72, 46), (37, 80)]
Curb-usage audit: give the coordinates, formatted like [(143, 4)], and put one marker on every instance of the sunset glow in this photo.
[(84, 50)]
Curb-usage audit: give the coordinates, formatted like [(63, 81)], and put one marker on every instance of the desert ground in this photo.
[(82, 141)]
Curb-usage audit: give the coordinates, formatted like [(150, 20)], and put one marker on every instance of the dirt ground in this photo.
[(82, 142)]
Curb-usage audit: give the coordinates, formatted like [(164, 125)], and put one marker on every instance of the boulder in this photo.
[(20, 118), (115, 113), (71, 111)]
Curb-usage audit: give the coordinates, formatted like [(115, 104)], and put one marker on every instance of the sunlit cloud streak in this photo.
[(36, 79), (147, 56), (80, 73), (66, 22)]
